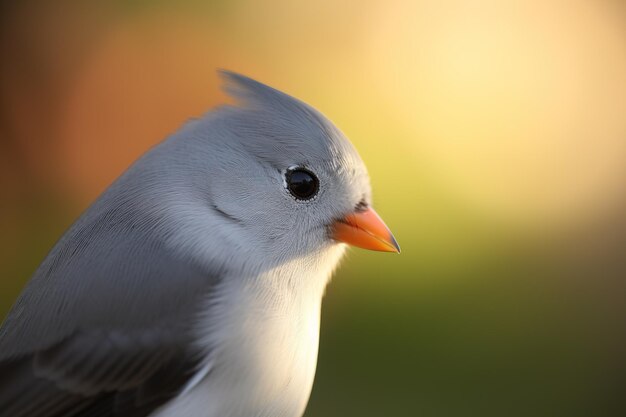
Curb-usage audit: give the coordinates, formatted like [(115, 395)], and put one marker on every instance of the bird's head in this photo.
[(283, 181)]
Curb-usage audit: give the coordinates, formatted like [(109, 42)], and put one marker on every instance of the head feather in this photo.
[(253, 93), (275, 124)]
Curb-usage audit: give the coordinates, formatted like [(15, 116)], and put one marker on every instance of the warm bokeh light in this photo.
[(518, 108), (495, 136)]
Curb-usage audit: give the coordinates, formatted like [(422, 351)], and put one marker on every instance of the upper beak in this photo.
[(366, 230)]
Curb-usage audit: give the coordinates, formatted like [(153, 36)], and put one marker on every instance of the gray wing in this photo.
[(103, 328)]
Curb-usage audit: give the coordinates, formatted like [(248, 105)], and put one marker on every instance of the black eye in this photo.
[(302, 184)]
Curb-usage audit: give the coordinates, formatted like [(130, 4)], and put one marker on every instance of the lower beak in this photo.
[(365, 229)]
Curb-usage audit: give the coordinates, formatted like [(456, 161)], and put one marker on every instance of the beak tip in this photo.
[(394, 242)]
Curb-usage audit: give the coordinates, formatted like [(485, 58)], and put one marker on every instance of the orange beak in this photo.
[(365, 229)]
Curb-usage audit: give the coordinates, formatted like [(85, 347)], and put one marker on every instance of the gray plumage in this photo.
[(134, 305)]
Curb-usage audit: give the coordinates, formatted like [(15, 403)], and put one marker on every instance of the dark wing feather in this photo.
[(102, 329), (114, 380)]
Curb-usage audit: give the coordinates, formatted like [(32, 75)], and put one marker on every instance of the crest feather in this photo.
[(256, 94)]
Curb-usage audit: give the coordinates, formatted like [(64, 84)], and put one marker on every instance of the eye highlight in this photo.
[(301, 183)]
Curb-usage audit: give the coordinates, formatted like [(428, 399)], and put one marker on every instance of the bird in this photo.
[(192, 286)]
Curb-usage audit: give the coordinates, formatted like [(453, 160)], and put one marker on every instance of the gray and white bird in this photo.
[(192, 286)]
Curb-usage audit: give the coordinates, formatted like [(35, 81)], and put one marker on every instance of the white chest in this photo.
[(262, 363)]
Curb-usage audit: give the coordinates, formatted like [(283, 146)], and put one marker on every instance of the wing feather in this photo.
[(104, 326)]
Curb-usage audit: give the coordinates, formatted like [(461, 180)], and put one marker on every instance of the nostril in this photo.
[(361, 206)]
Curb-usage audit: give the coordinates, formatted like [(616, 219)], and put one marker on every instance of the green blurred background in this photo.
[(495, 136)]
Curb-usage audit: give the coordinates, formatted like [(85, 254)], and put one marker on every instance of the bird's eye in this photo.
[(301, 183)]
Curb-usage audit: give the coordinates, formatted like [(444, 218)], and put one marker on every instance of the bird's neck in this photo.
[(305, 275), (263, 330)]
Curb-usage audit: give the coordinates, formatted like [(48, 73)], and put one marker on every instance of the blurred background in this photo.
[(495, 136)]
